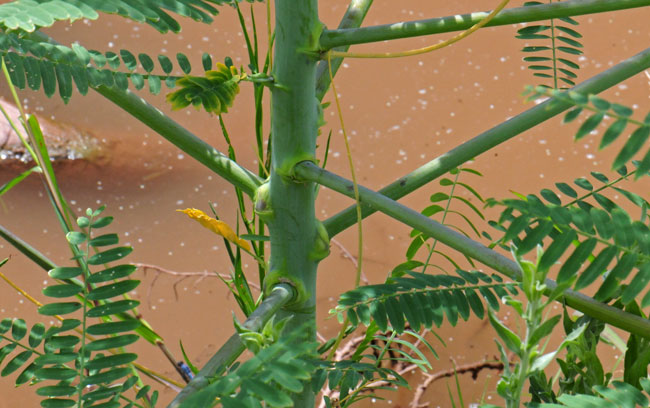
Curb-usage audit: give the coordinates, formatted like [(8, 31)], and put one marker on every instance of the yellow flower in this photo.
[(216, 226)]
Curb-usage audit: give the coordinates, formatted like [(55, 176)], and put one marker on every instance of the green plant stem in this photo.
[(292, 227), (554, 53), (491, 138), (27, 250), (335, 38), (469, 247), (183, 139), (353, 17), (532, 318), (231, 349), (432, 248)]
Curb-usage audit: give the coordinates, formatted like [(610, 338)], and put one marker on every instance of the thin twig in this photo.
[(401, 368), (347, 255), (473, 368), (182, 276)]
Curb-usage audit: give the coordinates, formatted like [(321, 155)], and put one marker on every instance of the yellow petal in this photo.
[(216, 226)]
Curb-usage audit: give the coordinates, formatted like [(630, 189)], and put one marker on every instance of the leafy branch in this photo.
[(563, 40), (421, 300), (609, 234), (50, 65), (61, 347), (30, 15), (442, 206), (620, 395), (271, 375), (599, 110)]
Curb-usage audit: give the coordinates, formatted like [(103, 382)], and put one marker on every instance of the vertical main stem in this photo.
[(292, 225)]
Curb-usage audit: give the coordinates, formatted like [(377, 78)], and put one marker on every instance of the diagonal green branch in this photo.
[(233, 347), (183, 139), (335, 38), (353, 17), (491, 138), (310, 172), (177, 134)]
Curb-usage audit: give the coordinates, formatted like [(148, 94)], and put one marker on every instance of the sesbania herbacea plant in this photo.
[(552, 246)]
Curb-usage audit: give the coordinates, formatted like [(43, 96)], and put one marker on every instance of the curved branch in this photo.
[(335, 38)]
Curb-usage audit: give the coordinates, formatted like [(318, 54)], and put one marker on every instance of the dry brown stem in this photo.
[(158, 270)]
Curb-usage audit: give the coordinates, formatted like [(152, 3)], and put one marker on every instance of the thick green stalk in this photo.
[(289, 205), (183, 139), (310, 172), (232, 348), (491, 138), (353, 17), (335, 38)]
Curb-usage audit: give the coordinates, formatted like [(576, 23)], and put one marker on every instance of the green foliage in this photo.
[(599, 231), (256, 341), (272, 375), (215, 92), (580, 369), (443, 204), (34, 63), (561, 42), (371, 365), (528, 348), (620, 395), (421, 300), (637, 354), (599, 109), (69, 358), (30, 15), (286, 363), (14, 181)]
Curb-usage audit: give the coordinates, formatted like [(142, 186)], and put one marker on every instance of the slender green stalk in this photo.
[(352, 18), (335, 38), (183, 139), (231, 349), (81, 364), (554, 52), (616, 317), (445, 212), (357, 278), (491, 138), (29, 251)]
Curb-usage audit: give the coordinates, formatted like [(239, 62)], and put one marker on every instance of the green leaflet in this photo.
[(619, 395), (599, 108), (449, 207), (30, 15), (60, 359), (510, 339), (215, 92), (68, 68), (418, 300), (560, 43), (256, 378), (585, 222)]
